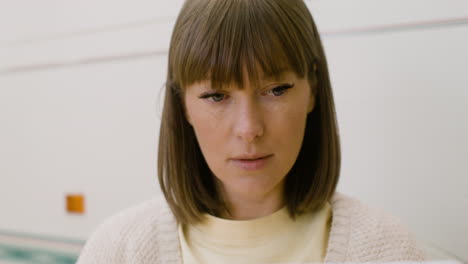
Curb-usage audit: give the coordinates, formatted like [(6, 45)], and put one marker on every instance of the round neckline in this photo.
[(218, 229)]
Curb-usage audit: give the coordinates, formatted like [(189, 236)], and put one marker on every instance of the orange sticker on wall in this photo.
[(75, 203)]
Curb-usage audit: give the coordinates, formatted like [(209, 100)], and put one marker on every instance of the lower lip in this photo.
[(251, 165)]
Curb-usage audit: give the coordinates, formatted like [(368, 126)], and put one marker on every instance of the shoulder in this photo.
[(133, 233), (363, 233)]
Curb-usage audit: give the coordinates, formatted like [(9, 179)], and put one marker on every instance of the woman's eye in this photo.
[(215, 97), (280, 90)]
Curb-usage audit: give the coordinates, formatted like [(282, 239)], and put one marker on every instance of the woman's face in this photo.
[(250, 137)]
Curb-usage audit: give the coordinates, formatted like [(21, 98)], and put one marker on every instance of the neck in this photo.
[(247, 207)]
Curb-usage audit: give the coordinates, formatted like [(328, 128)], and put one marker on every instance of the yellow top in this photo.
[(275, 238)]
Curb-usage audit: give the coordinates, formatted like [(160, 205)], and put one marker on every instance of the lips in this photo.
[(251, 156), (251, 162)]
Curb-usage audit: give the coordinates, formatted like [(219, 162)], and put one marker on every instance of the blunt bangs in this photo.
[(226, 36)]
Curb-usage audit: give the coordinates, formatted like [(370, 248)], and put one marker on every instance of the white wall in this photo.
[(80, 87)]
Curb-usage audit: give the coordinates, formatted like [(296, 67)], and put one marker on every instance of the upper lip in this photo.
[(251, 156)]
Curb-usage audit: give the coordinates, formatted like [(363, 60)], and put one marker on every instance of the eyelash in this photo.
[(281, 88)]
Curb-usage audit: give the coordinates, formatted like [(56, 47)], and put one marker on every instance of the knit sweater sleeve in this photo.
[(135, 235), (105, 244), (378, 236)]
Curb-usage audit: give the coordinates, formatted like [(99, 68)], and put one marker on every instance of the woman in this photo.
[(249, 153)]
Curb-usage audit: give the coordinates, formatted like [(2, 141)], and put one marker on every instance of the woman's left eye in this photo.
[(280, 90)]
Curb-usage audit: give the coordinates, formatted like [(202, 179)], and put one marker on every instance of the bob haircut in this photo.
[(213, 40)]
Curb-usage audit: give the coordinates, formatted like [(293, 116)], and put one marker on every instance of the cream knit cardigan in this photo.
[(148, 233)]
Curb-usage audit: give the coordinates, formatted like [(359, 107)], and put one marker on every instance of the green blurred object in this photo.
[(25, 255)]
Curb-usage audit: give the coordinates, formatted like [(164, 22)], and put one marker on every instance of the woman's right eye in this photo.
[(215, 97)]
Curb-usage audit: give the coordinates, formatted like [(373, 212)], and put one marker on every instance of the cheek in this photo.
[(287, 131), (208, 130)]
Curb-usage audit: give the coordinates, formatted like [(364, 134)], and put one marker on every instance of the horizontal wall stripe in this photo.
[(382, 29), (420, 25), (77, 63), (89, 32)]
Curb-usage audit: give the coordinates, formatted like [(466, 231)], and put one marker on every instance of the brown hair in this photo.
[(214, 39)]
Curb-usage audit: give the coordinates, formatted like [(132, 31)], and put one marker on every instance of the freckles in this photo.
[(290, 119), (288, 111), (205, 121), (277, 110), (212, 118)]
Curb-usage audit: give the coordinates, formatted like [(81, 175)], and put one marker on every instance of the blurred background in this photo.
[(80, 105)]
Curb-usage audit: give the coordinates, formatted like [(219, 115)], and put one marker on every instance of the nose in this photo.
[(249, 122)]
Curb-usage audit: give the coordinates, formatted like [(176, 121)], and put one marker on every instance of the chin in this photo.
[(255, 187)]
